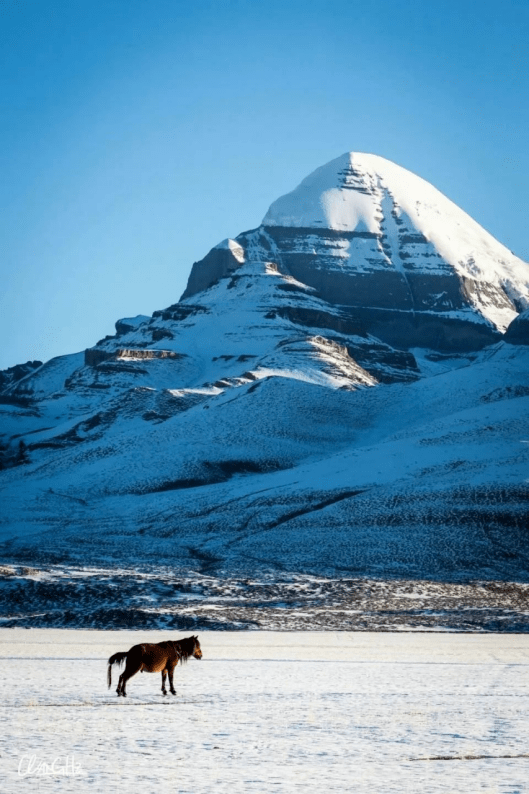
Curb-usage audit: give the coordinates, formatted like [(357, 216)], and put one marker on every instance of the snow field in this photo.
[(314, 711)]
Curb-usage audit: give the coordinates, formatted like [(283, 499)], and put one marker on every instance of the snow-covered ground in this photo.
[(263, 711), (67, 597)]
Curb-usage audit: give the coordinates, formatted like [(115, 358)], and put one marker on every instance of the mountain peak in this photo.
[(369, 234), (331, 196)]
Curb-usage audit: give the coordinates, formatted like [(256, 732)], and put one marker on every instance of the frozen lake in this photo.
[(308, 712)]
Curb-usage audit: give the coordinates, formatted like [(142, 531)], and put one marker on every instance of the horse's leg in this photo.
[(133, 666), (164, 672), (170, 671), (120, 682)]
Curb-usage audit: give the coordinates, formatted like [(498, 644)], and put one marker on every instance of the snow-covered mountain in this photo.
[(403, 259), (332, 395)]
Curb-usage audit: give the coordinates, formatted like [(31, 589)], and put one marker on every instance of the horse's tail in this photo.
[(117, 658)]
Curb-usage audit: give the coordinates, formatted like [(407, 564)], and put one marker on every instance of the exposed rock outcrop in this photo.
[(11, 375), (128, 324), (95, 356), (518, 331), (226, 257)]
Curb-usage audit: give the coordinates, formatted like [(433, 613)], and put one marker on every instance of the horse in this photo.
[(153, 658)]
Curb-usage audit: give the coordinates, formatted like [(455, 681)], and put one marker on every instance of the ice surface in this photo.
[(265, 711)]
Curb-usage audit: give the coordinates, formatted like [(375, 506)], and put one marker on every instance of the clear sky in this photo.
[(136, 134)]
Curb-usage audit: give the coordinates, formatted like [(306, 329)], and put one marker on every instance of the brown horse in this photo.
[(153, 658)]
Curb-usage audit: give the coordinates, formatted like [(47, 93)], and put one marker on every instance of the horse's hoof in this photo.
[(173, 692)]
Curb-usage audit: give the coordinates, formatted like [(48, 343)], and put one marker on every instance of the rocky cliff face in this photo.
[(392, 251)]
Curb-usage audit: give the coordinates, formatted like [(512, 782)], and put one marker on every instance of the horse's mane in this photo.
[(185, 648)]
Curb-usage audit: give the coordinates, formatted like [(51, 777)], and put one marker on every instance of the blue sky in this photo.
[(136, 134)]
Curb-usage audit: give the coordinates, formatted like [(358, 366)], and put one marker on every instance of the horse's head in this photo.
[(197, 652)]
